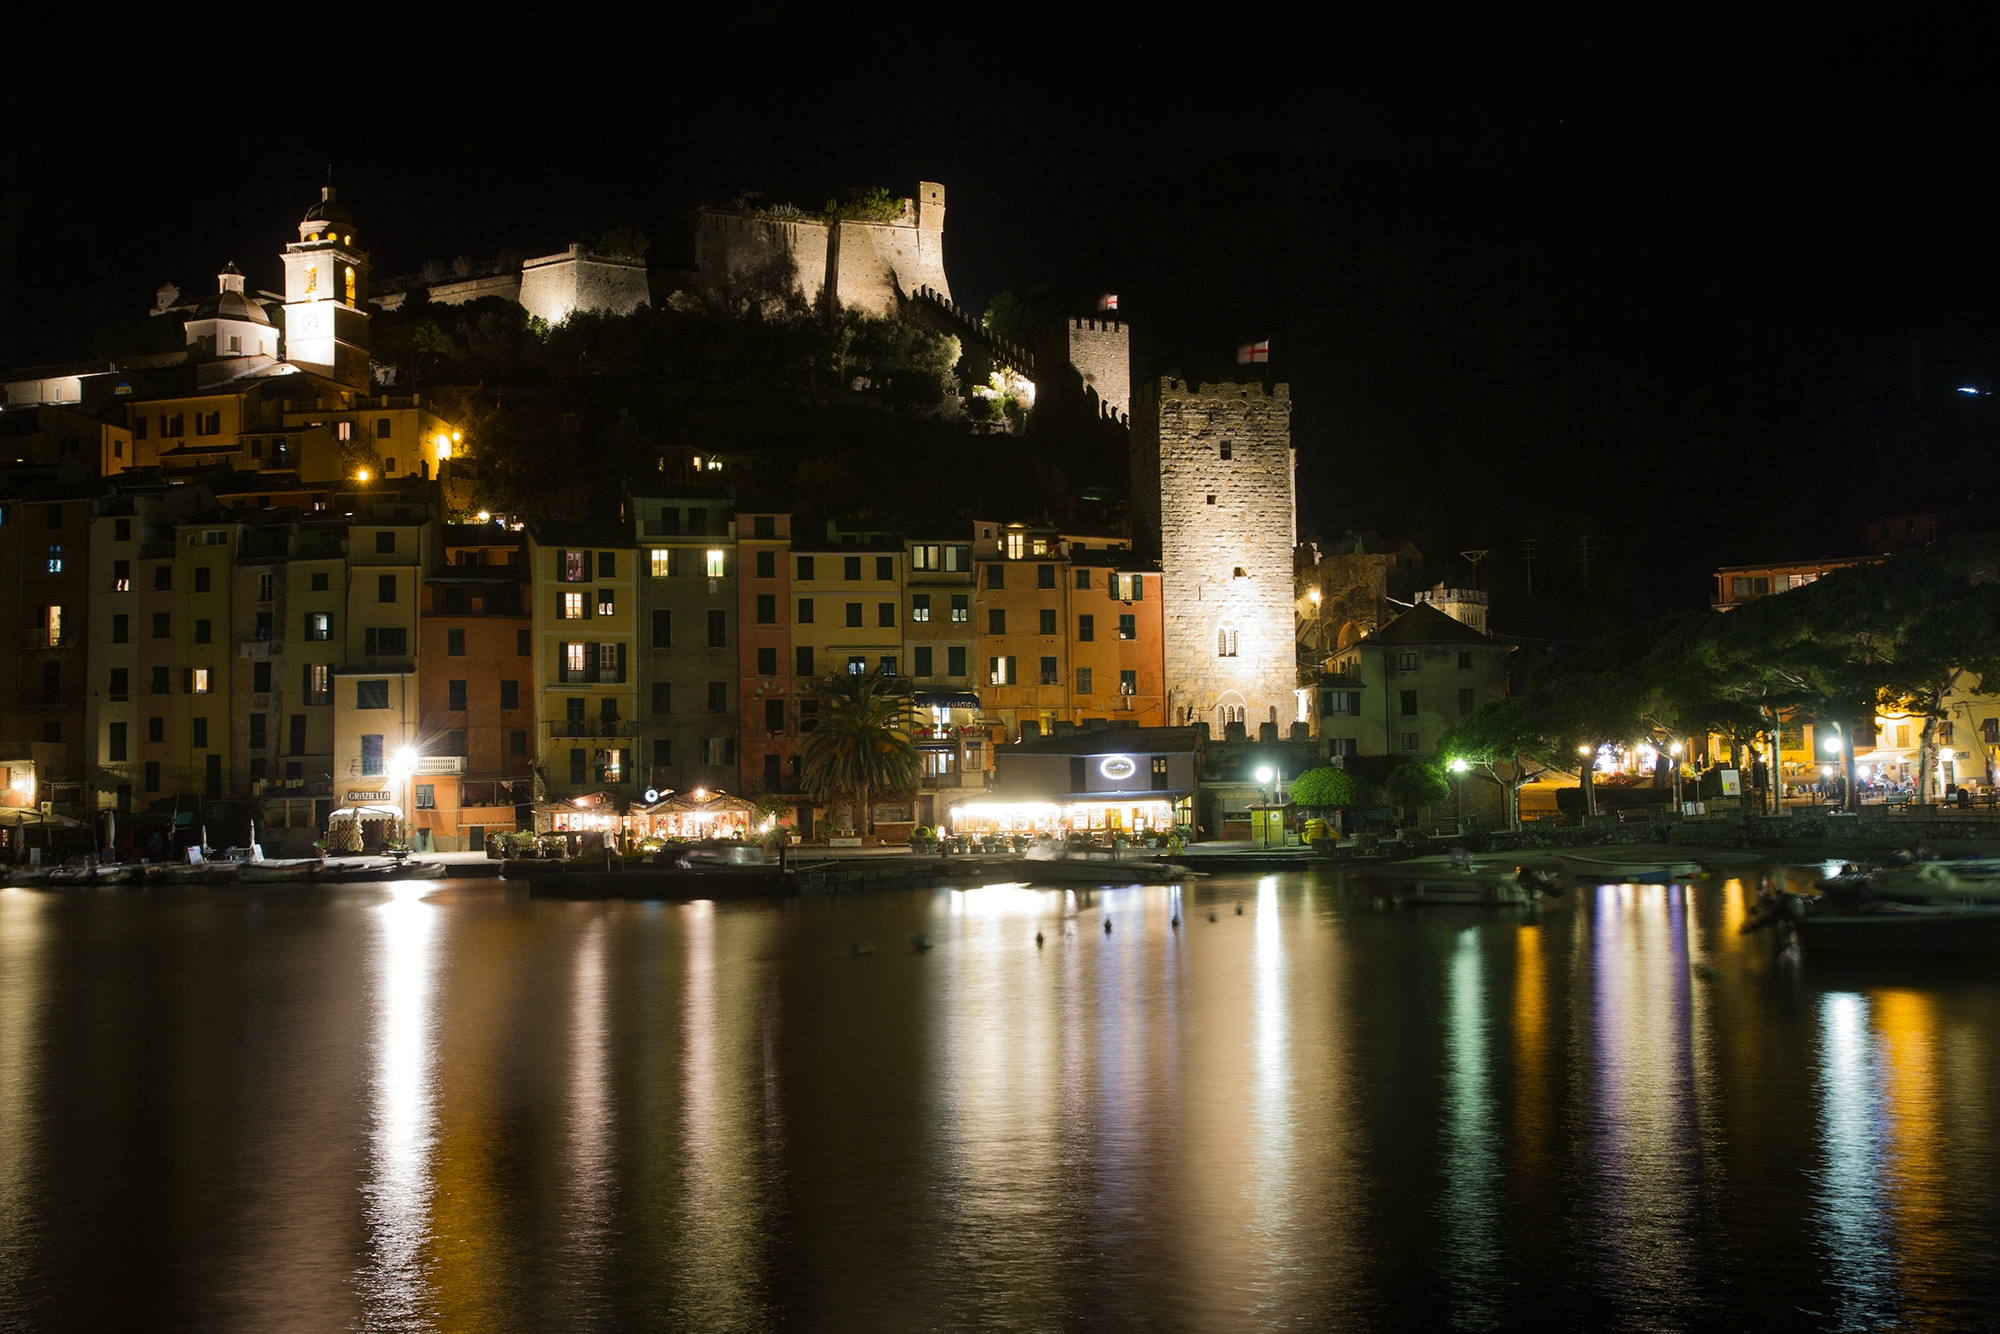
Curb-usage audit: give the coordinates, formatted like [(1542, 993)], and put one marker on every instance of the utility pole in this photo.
[(1528, 562), (1473, 558), (1583, 558)]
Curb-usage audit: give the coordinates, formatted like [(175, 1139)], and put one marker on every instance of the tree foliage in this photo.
[(861, 747), (1417, 784), (1327, 788)]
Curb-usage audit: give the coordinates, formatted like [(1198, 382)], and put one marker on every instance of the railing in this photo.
[(43, 639), (607, 727), (41, 698)]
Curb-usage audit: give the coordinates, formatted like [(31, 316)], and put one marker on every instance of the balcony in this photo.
[(604, 727), (44, 639), (429, 766), (41, 700)]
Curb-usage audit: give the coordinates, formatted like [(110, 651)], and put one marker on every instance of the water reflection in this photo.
[(1848, 1198), (1468, 1209), (21, 991), (394, 1283), (592, 1114)]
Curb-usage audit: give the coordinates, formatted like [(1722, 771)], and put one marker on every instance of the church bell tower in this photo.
[(326, 295)]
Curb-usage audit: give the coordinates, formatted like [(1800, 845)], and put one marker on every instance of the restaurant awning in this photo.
[(946, 699), (374, 810)]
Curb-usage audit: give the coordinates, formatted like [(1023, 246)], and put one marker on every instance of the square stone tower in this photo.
[(1212, 496)]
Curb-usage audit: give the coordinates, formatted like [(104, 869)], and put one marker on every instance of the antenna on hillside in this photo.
[(1528, 561), (1473, 558)]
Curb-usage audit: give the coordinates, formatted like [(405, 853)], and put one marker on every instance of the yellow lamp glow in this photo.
[(361, 476), (484, 516)]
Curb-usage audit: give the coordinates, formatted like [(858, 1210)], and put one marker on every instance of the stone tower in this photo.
[(1212, 495), (326, 295)]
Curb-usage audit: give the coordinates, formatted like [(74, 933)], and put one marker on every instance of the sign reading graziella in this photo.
[(368, 796)]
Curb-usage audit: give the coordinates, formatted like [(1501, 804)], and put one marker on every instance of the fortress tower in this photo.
[(1212, 496), (326, 295)]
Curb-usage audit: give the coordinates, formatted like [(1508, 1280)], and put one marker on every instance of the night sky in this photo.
[(1703, 296)]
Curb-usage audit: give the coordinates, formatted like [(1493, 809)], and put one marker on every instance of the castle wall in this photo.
[(554, 285), (727, 246), (871, 263), (1101, 351), (1223, 530)]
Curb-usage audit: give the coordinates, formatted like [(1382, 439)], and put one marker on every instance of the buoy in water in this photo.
[(1176, 923), (1211, 916), (1239, 910), (1107, 926), (1038, 939)]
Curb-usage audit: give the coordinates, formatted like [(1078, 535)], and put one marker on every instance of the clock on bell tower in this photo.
[(326, 295)]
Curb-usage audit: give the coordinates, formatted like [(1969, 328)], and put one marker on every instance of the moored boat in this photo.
[(1626, 871), (1439, 880), (1086, 870), (1890, 927)]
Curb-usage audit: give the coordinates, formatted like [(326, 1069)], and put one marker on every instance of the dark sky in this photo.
[(1699, 288)]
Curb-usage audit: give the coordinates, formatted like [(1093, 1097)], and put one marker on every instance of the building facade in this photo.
[(689, 668)]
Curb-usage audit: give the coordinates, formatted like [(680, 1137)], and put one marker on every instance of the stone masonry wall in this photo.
[(1101, 351), (554, 285), (872, 264), (1223, 530)]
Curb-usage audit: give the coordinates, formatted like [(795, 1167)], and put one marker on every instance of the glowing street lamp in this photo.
[(361, 475)]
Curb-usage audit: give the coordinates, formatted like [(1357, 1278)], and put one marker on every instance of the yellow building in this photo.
[(205, 659), (847, 598), (586, 660)]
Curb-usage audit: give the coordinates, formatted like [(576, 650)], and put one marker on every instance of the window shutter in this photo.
[(590, 672), (621, 664), (625, 760)]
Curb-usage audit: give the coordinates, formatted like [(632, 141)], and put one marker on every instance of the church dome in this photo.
[(327, 218), (229, 302)]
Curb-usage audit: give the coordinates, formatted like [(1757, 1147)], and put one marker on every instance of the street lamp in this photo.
[(1264, 777), (1675, 751), (403, 767)]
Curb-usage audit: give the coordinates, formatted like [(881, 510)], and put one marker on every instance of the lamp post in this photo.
[(1675, 751), (403, 769), (1458, 767)]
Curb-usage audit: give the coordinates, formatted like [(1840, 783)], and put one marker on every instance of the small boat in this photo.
[(1088, 870), (29, 877), (1444, 880), (279, 872), (74, 873), (1626, 871), (1890, 927)]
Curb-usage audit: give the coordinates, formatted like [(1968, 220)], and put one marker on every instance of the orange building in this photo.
[(475, 698), (1067, 631), (765, 695)]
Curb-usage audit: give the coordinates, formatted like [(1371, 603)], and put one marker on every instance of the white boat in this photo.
[(1627, 871), (1089, 870), (1441, 880), (279, 872)]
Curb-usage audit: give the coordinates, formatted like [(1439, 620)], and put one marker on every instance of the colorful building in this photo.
[(586, 663), (688, 666)]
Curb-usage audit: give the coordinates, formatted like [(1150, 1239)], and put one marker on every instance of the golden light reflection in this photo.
[(21, 999), (1913, 1174), (395, 1289), (1531, 1048), (592, 1109)]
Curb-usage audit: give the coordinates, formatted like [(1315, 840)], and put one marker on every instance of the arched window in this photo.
[(1225, 642)]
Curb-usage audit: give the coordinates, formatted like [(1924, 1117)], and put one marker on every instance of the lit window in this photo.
[(856, 665), (1225, 643), (663, 562), (572, 606), (607, 604), (201, 680), (1041, 546), (920, 607), (55, 560), (575, 567), (714, 564), (573, 661), (1016, 544)]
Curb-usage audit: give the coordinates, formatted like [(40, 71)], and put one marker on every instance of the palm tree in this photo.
[(861, 744)]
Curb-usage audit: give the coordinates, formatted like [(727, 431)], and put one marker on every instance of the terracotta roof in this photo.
[(1425, 624)]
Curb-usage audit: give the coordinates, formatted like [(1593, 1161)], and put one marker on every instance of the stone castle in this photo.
[(865, 264)]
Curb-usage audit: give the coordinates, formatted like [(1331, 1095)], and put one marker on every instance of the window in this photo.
[(121, 629), (455, 696), (885, 615), (371, 754), (954, 661), (572, 606), (1465, 701), (319, 626), (718, 629), (857, 665), (320, 583), (156, 729), (298, 736), (385, 542), (888, 664), (1046, 620), (574, 567), (1016, 545), (1083, 578), (805, 567), (663, 629), (663, 752), (921, 661), (996, 576), (607, 602), (383, 428), (510, 694), (718, 696), (697, 522), (385, 588), (201, 580), (1051, 673), (388, 641), (805, 611), (200, 731), (121, 575), (715, 563), (152, 774), (610, 663), (204, 631), (263, 630), (996, 621), (850, 567), (854, 613), (1410, 741), (524, 644), (163, 578), (517, 742), (371, 694), (259, 731), (767, 662), (926, 558), (1000, 671), (426, 797), (767, 561), (1128, 682), (1409, 703), (1225, 643), (577, 764), (454, 743), (767, 609), (1083, 680), (319, 683), (1340, 701), (121, 683), (774, 715), (661, 562), (161, 681), (920, 607), (1045, 576), (764, 525), (454, 643), (1407, 662), (260, 678), (607, 565), (1128, 627), (885, 567), (1465, 660), (803, 665), (55, 560), (961, 607), (1211, 497), (808, 719)]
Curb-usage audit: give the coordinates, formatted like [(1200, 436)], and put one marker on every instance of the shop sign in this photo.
[(1117, 767), (367, 796)]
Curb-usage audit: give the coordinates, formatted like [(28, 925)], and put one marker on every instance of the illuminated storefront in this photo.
[(702, 813), (1098, 781)]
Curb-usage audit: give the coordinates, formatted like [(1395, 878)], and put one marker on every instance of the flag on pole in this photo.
[(1253, 352), (1109, 301)]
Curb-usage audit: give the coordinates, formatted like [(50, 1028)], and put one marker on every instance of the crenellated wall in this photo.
[(873, 265), (1213, 496)]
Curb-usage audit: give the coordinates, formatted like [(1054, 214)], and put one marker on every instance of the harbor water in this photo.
[(1255, 1102)]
